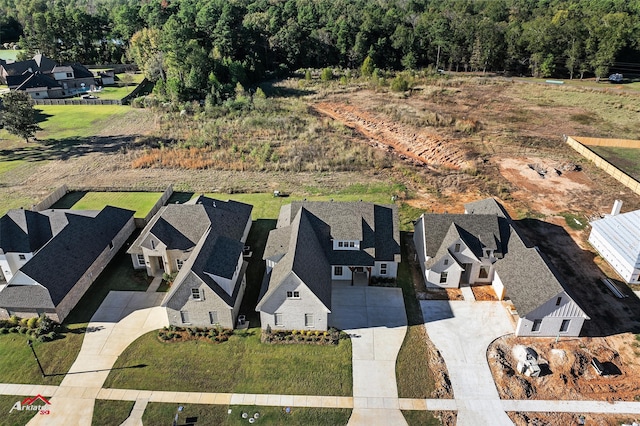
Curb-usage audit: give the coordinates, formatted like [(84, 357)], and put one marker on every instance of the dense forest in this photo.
[(195, 48)]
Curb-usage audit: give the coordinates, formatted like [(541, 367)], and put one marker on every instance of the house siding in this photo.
[(78, 290), (293, 310), (198, 310), (552, 316), (10, 263), (419, 243)]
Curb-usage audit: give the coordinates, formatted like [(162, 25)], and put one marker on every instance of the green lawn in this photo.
[(9, 54), (19, 366), (15, 418), (115, 92), (109, 413), (118, 275), (161, 413), (626, 159), (140, 202), (72, 121), (242, 365), (420, 418)]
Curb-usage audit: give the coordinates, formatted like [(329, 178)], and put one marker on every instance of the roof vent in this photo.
[(617, 206)]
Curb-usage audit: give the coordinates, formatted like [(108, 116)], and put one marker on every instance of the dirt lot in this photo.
[(568, 373)]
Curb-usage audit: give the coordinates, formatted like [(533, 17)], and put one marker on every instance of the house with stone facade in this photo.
[(201, 242), (50, 258), (317, 244), (482, 247)]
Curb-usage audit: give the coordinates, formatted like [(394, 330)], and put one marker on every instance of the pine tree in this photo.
[(18, 115)]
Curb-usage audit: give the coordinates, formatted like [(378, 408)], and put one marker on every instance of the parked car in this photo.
[(616, 78)]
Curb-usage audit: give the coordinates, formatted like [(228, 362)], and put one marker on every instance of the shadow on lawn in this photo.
[(67, 148), (97, 371)]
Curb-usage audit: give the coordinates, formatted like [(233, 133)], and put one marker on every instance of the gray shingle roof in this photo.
[(37, 80), (65, 259), (304, 258), (17, 68), (486, 206)]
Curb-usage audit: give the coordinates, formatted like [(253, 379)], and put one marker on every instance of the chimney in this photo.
[(617, 205)]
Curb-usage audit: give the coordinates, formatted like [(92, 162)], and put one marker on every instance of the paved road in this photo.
[(462, 331), (376, 319)]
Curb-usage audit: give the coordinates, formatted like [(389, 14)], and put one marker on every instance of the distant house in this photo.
[(42, 78), (201, 241), (482, 246), (50, 258), (617, 238), (106, 78), (315, 243)]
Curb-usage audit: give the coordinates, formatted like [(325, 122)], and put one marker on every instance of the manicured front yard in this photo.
[(140, 202), (17, 364), (242, 365), (160, 413), (15, 418), (108, 413)]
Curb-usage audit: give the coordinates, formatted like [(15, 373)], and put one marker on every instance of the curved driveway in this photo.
[(462, 331)]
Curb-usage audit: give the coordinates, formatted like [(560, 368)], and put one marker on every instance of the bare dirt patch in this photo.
[(554, 419), (484, 293), (569, 374)]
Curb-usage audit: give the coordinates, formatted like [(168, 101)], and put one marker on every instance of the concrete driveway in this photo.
[(122, 317), (376, 319), (462, 331)]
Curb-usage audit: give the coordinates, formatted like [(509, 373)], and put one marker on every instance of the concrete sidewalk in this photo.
[(122, 317), (462, 332), (376, 320)]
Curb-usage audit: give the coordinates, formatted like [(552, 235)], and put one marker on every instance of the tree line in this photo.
[(199, 48)]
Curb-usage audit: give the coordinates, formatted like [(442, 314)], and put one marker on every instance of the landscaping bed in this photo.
[(180, 334), (309, 337)]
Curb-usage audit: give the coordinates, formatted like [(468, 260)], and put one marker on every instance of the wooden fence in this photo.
[(51, 199), (612, 170), (77, 102)]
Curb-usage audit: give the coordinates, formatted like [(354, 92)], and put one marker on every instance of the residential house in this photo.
[(42, 78), (482, 246), (202, 242), (617, 239), (50, 258), (315, 243)]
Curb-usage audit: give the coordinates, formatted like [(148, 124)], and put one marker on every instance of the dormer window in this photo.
[(456, 248), (446, 262), (293, 295), (22, 257), (195, 294), (340, 244), (352, 244)]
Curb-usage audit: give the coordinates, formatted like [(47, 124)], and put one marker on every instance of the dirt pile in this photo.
[(566, 368), (422, 147)]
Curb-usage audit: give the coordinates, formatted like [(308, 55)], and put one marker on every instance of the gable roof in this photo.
[(181, 226), (17, 68), (529, 278), (44, 64), (375, 226), (62, 261), (478, 231), (37, 80), (304, 258)]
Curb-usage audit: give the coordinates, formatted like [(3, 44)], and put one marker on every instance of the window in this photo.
[(69, 75), (484, 272), (383, 269), (536, 325), (558, 301), (153, 245), (352, 244), (564, 326), (184, 316), (278, 320), (340, 244), (443, 277), (446, 262), (308, 320), (195, 293), (179, 263), (457, 248), (337, 270), (141, 259), (293, 295), (213, 317), (22, 257)]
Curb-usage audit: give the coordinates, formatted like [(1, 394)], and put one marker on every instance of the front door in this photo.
[(466, 274)]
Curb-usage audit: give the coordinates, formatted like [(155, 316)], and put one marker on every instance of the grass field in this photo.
[(161, 413), (18, 365), (420, 418), (140, 202), (9, 54), (15, 418), (115, 92), (108, 413), (626, 159), (242, 365), (69, 121)]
